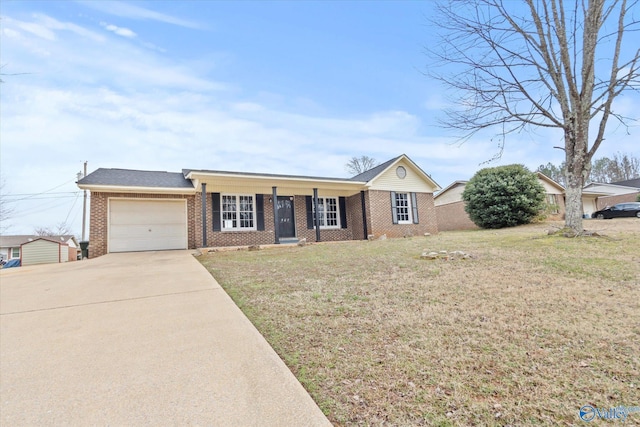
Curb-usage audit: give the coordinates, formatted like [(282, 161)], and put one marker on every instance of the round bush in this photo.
[(503, 196)]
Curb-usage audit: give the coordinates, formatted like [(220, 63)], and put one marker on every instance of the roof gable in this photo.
[(450, 187), (45, 239), (549, 181), (384, 177), (452, 193), (17, 240)]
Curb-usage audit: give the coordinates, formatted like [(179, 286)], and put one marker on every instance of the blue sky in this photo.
[(279, 87)]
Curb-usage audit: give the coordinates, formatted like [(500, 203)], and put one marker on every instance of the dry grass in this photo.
[(525, 333)]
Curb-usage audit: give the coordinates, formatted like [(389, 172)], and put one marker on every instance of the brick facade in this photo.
[(452, 216), (354, 217), (378, 209), (99, 218), (232, 238), (381, 217), (604, 201)]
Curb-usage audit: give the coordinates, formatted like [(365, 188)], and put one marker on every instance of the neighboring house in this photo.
[(554, 197), (133, 210), (452, 216), (450, 208), (43, 251), (597, 196), (10, 246)]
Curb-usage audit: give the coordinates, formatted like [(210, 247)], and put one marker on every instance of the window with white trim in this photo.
[(328, 213), (238, 212), (15, 252), (403, 206)]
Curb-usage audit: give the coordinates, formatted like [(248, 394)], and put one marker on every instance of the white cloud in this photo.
[(53, 24), (121, 31), (70, 53), (126, 10), (11, 33), (37, 29)]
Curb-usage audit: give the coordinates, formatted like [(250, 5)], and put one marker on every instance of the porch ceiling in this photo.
[(286, 186)]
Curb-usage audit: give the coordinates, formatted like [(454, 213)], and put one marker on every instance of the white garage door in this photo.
[(147, 225)]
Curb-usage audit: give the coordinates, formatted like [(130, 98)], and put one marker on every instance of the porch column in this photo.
[(317, 219), (204, 215), (276, 220), (364, 215)]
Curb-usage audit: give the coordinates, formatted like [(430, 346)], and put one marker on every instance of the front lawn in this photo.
[(528, 330)]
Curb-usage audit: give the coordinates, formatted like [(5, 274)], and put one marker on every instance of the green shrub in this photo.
[(504, 196)]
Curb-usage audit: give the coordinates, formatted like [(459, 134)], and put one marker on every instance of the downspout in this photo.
[(204, 215), (364, 215), (276, 220), (315, 204)]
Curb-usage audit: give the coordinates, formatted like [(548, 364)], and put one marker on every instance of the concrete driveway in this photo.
[(137, 339)]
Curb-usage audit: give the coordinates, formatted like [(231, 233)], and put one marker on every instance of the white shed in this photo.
[(44, 251)]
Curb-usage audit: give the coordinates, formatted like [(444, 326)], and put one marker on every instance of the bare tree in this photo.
[(62, 229), (622, 167), (539, 63), (627, 167), (554, 172), (357, 165)]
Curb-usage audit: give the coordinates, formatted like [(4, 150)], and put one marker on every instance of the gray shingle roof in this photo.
[(186, 172), (629, 183), (367, 176), (136, 178), (16, 240)]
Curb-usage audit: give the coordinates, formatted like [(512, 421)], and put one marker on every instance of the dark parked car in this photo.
[(618, 211)]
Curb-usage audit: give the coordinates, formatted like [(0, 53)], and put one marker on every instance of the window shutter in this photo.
[(394, 208), (414, 206), (342, 201), (260, 212), (309, 203), (215, 205)]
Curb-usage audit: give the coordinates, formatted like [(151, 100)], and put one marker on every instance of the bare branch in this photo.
[(519, 65)]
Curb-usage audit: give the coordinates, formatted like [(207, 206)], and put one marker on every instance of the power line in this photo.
[(37, 194), (70, 196), (72, 206), (43, 207), (32, 195)]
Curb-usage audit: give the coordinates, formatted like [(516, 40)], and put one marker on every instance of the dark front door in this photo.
[(286, 218)]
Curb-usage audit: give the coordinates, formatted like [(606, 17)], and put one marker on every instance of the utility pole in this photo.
[(84, 206)]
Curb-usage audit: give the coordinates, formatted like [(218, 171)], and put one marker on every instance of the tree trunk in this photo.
[(573, 204), (577, 171)]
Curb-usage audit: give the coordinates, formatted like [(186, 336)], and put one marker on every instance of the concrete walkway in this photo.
[(137, 339)]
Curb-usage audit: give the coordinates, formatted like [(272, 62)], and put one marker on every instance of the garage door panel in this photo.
[(146, 231), (135, 244), (148, 216), (140, 225)]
